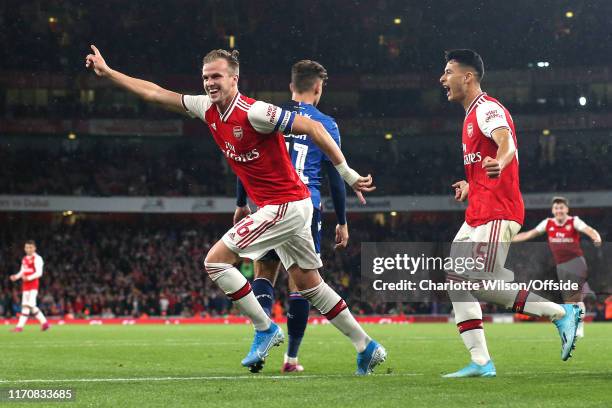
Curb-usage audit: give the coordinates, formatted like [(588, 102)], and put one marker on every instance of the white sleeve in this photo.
[(196, 105), (267, 118), (38, 268), (541, 227), (490, 117), (579, 224)]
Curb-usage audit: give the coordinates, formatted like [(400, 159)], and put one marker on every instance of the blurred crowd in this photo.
[(143, 266), (112, 169), (363, 36), (194, 167)]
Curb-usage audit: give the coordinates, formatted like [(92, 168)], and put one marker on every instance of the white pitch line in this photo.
[(260, 378), (203, 378)]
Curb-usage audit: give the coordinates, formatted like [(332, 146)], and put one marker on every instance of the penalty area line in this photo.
[(198, 378)]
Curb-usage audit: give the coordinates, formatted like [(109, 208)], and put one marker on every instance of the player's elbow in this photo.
[(317, 130), (152, 95), (511, 147)]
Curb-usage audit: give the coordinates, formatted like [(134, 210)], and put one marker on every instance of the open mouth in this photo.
[(213, 91), (447, 89)]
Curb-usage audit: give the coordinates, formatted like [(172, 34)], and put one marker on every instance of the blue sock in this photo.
[(297, 319), (264, 292)]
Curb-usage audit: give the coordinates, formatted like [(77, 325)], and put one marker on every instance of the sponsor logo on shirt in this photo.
[(492, 114), (271, 114), (230, 153), (471, 158)]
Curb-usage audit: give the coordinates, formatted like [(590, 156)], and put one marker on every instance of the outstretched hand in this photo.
[(96, 62)]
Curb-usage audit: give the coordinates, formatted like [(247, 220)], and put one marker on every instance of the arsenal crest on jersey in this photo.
[(470, 130), (237, 132)]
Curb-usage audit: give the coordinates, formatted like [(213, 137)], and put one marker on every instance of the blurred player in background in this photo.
[(563, 233), (307, 80), (493, 217), (30, 274), (250, 135)]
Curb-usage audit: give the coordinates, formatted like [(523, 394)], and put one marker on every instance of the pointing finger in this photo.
[(360, 197)]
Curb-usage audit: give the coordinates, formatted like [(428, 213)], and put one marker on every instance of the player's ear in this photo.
[(318, 88), (291, 87)]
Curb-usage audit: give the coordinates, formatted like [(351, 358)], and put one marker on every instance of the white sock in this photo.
[(38, 314), (331, 305), (235, 285), (23, 319), (522, 301), (476, 344), (468, 317)]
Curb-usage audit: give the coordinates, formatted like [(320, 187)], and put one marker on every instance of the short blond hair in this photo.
[(230, 57)]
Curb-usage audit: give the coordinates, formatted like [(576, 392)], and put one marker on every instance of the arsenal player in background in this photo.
[(563, 233), (30, 273), (493, 217)]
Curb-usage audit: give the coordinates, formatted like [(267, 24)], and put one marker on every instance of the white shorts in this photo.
[(490, 242), (284, 227), (28, 298)]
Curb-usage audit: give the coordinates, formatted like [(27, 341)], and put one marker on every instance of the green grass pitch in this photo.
[(199, 365)]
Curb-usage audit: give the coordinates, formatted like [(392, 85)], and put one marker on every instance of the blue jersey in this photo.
[(306, 156)]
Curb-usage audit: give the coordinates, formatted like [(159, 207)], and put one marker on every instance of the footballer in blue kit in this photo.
[(307, 80)]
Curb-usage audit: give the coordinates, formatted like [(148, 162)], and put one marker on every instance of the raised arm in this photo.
[(318, 134), (146, 90)]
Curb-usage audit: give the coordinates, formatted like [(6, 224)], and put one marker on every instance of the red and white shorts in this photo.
[(490, 242), (28, 298), (284, 227)]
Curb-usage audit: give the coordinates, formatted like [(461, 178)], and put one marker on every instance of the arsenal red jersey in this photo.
[(29, 266), (489, 198), (563, 239), (250, 135)]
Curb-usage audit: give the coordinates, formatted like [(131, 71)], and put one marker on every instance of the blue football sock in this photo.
[(264, 292), (297, 319)]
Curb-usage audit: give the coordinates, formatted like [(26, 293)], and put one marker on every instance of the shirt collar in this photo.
[(474, 103), (230, 108)]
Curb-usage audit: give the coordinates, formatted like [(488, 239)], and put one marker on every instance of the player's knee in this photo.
[(220, 253), (213, 268), (304, 279), (25, 310)]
